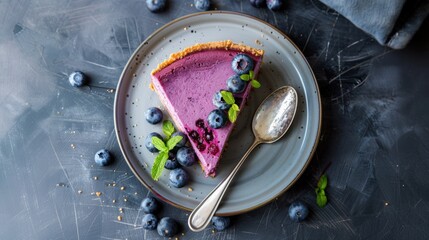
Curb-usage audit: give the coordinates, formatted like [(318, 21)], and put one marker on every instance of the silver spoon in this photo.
[(270, 122)]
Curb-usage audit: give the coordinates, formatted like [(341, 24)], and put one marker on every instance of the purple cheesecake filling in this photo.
[(186, 88)]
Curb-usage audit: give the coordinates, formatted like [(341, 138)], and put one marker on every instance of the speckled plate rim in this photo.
[(158, 31)]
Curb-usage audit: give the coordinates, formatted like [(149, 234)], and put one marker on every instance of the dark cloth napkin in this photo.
[(391, 22)]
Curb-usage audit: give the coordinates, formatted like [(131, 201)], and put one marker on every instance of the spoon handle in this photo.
[(202, 214)]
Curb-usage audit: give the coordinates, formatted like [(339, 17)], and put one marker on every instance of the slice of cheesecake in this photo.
[(187, 83)]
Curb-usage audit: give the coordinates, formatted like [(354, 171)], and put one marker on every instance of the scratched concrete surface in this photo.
[(374, 142)]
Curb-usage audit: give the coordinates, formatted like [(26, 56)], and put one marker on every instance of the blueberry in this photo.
[(149, 221), (178, 177), (298, 211), (217, 119), (167, 227), (156, 5), (148, 142), (182, 143), (242, 63), (153, 115), (257, 3), (274, 5), (202, 5), (221, 223), (103, 157), (171, 163), (186, 156), (77, 79), (235, 84), (149, 205), (208, 136), (194, 136), (213, 149), (219, 102), (200, 123)]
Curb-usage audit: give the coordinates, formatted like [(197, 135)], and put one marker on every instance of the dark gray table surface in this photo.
[(374, 142)]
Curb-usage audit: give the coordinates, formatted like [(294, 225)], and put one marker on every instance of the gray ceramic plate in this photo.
[(271, 169)]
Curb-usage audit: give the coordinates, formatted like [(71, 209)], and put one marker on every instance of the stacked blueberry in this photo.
[(166, 227), (178, 157), (273, 5), (241, 64)]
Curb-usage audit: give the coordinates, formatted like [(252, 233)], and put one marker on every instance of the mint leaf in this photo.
[(245, 77), (159, 144), (232, 114), (168, 128), (251, 74), (321, 200), (235, 107), (171, 143), (255, 83), (158, 165), (227, 97), (323, 182)]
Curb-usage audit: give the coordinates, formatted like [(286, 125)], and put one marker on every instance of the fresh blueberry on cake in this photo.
[(194, 87)]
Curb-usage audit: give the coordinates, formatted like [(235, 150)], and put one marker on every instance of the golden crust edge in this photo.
[(227, 45)]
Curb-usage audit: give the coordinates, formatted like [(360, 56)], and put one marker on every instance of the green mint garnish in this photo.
[(321, 198), (234, 109), (233, 112), (171, 143), (158, 165), (159, 144), (227, 97), (245, 77), (250, 77), (164, 148), (168, 128), (255, 83)]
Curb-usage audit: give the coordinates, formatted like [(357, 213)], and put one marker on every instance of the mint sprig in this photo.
[(321, 198), (251, 77), (234, 109), (164, 148), (168, 128)]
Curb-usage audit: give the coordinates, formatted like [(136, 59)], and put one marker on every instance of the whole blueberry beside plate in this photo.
[(221, 223), (178, 177), (77, 79), (202, 5), (257, 3), (103, 157), (149, 205), (167, 227), (149, 221), (274, 5), (298, 211), (156, 5)]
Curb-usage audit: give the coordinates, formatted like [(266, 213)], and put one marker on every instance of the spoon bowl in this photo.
[(271, 121), (275, 114)]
